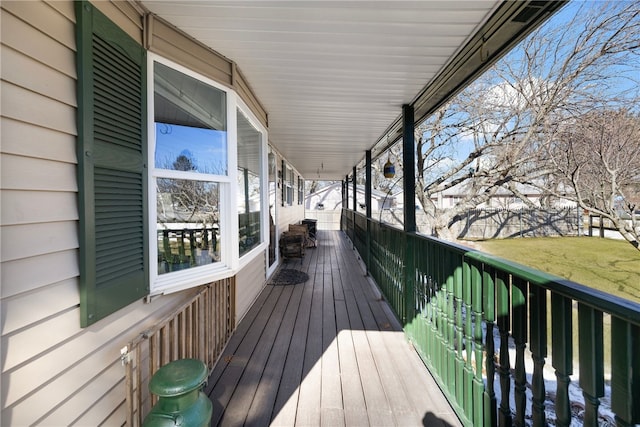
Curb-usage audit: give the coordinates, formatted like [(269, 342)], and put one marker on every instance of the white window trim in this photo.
[(264, 185), (230, 262)]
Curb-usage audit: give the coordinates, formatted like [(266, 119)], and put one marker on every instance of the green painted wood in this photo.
[(591, 361), (488, 303), (368, 203), (447, 338), (408, 294), (503, 301), (112, 175), (625, 372), (562, 351), (538, 330), (354, 188), (468, 402), (519, 300), (460, 338), (409, 168), (478, 383), (450, 268)]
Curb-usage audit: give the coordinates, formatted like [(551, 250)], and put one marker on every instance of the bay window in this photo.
[(201, 143)]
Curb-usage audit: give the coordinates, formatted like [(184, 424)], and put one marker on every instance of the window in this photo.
[(249, 184), (190, 167), (300, 191), (288, 185)]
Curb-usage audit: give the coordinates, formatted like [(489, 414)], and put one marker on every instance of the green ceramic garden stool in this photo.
[(181, 401)]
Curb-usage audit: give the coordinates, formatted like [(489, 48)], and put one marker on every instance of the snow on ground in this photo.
[(606, 416)]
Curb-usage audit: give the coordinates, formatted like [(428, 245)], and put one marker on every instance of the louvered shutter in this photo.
[(111, 166)]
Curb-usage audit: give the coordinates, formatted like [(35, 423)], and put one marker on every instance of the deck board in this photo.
[(328, 352)]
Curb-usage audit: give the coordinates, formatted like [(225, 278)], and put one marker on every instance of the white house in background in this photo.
[(502, 199), (330, 198)]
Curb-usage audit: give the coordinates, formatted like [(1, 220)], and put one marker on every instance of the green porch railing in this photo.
[(486, 327)]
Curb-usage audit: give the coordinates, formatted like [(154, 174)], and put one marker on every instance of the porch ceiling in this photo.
[(333, 75)]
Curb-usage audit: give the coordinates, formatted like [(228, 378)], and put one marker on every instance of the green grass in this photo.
[(612, 266)]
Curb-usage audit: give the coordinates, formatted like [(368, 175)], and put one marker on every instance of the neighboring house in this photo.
[(66, 312), (330, 198), (503, 198)]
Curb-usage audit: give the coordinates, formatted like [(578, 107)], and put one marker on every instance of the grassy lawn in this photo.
[(612, 266)]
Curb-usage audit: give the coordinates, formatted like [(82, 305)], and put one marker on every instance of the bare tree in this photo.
[(598, 155), (191, 200), (494, 135)]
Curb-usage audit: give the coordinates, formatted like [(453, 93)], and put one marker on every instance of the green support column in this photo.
[(367, 196), (409, 168), (409, 187), (344, 204), (355, 191), (345, 192), (355, 207)]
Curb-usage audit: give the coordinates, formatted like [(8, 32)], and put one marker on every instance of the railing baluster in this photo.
[(519, 304), (502, 288), (538, 329), (625, 372), (459, 341), (562, 355), (449, 355), (489, 298), (591, 361), (478, 383), (468, 335)]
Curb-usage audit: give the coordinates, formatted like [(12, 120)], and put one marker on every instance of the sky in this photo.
[(208, 147)]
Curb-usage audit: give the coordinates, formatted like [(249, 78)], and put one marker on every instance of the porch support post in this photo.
[(368, 184), (355, 192), (368, 201), (345, 184), (409, 186), (409, 168), (355, 209), (345, 192)]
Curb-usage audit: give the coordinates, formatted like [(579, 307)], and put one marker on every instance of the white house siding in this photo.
[(53, 372)]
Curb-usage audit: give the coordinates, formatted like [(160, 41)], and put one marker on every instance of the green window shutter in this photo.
[(112, 141)]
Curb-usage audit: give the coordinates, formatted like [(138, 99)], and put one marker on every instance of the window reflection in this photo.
[(190, 137), (188, 224), (249, 184), (190, 118)]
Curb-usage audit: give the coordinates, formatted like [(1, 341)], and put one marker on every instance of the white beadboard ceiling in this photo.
[(333, 75)]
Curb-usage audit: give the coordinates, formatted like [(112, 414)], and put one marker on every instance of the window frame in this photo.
[(230, 261), (244, 109), (288, 184), (300, 190)]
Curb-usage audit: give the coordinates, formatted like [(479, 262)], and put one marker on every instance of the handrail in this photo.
[(469, 314)]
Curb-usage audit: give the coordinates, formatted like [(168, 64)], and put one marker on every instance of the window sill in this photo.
[(186, 279)]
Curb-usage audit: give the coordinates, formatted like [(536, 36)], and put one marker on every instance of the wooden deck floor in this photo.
[(325, 352)]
